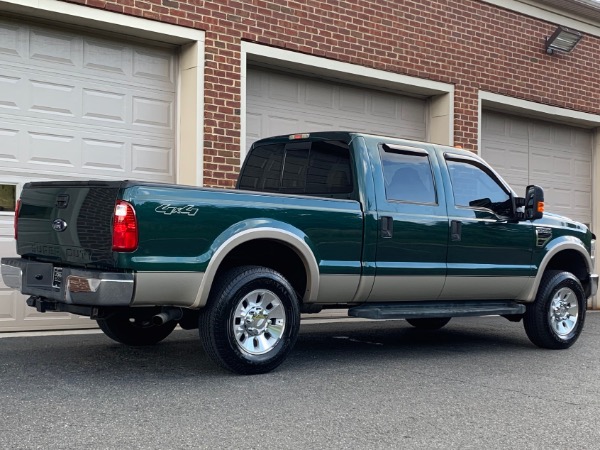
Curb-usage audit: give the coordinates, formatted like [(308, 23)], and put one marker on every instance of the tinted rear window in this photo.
[(320, 168)]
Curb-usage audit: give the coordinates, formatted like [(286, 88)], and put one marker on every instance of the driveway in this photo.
[(477, 383)]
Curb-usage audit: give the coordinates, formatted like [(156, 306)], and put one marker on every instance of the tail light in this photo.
[(16, 221), (125, 229)]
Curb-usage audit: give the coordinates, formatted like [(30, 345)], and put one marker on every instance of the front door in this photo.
[(413, 226), (489, 256)]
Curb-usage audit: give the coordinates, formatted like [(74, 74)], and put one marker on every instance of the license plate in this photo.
[(57, 277)]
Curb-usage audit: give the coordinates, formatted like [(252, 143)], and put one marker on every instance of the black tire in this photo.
[(135, 330), (434, 323), (240, 327), (560, 328)]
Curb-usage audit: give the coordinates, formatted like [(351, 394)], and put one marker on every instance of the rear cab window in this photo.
[(315, 168), (407, 175)]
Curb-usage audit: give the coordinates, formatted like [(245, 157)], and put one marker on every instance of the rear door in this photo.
[(413, 225)]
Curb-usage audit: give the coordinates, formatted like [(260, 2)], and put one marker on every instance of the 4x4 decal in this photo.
[(188, 210)]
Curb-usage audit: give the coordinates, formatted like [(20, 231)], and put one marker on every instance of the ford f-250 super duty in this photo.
[(385, 227)]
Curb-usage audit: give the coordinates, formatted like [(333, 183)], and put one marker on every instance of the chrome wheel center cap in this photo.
[(256, 321)]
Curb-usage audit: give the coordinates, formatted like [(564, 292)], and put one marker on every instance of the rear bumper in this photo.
[(68, 285)]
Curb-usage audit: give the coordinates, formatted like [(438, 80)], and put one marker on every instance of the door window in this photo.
[(474, 187), (408, 176)]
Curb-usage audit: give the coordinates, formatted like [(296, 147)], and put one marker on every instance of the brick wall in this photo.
[(471, 44)]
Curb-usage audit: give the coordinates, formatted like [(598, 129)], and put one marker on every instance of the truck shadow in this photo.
[(95, 357)]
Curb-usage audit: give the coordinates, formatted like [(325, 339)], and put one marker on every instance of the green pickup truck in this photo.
[(386, 228)]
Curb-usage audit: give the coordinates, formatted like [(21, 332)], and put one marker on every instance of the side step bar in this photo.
[(423, 310)]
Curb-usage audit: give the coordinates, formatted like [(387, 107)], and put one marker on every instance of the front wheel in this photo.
[(251, 321), (556, 318), (434, 323), (135, 330)]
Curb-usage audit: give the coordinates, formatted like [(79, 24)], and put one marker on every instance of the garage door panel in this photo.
[(54, 47), (105, 57), (285, 89), (155, 67), (541, 133), (582, 169), (10, 94), (352, 100), (280, 103), (85, 152), (152, 113), (412, 110), (11, 45), (319, 95), (104, 105), (559, 160), (9, 144), (383, 106), (80, 102), (104, 155), (8, 305), (583, 139), (509, 157), (151, 158)]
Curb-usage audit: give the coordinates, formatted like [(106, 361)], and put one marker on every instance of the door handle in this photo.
[(455, 230), (387, 227)]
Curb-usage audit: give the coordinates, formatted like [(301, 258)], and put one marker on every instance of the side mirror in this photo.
[(534, 202)]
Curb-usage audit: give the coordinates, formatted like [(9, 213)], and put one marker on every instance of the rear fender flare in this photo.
[(296, 242)]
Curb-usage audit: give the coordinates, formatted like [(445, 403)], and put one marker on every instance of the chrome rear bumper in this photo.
[(68, 285)]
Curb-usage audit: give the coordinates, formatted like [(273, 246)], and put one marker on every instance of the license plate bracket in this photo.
[(57, 273)]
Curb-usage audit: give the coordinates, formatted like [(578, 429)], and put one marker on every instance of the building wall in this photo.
[(471, 44)]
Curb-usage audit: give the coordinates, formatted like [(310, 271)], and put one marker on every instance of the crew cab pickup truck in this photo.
[(386, 228)]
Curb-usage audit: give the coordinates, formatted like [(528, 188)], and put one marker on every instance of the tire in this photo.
[(251, 321), (434, 323), (556, 318), (135, 331)]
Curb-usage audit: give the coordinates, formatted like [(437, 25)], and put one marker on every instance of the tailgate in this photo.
[(68, 222)]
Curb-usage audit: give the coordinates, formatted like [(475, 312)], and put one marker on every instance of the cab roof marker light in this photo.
[(299, 136)]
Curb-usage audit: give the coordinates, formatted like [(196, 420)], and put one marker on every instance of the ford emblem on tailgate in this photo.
[(59, 225)]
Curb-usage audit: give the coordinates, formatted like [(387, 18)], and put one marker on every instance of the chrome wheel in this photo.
[(258, 322), (564, 312)]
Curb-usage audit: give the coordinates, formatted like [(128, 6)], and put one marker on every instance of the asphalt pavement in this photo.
[(477, 383)]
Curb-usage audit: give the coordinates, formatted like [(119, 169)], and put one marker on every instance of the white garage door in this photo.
[(78, 106), (556, 157), (282, 103)]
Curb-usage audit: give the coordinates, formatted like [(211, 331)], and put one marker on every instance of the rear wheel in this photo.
[(251, 321), (434, 323), (135, 330), (556, 318)]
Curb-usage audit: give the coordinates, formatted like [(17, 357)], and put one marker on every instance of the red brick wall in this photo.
[(469, 43)]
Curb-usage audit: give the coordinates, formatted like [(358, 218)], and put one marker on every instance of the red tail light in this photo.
[(16, 221), (125, 229)]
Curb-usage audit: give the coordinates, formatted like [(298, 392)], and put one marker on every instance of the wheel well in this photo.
[(570, 261), (272, 254)]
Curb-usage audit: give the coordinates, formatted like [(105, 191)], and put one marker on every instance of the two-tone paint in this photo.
[(187, 234)]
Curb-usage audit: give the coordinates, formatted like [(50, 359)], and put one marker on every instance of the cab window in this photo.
[(407, 176), (473, 187), (320, 168)]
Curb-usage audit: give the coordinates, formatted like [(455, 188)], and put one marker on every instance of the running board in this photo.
[(423, 310)]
